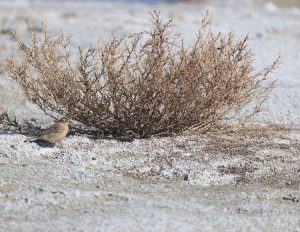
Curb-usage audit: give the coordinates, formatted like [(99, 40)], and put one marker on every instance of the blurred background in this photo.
[(286, 3), (273, 27)]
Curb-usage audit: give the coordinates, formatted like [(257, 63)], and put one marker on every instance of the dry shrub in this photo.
[(8, 120), (10, 123), (147, 83)]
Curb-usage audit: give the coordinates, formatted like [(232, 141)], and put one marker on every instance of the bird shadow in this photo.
[(43, 143)]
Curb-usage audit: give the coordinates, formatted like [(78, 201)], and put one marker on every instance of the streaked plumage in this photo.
[(56, 132)]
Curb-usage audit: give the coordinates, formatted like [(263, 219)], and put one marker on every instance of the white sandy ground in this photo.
[(188, 183)]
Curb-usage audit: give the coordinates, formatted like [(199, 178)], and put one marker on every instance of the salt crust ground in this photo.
[(240, 181), (245, 180)]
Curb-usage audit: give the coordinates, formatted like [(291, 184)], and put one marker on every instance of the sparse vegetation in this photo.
[(9, 121), (6, 119), (147, 83)]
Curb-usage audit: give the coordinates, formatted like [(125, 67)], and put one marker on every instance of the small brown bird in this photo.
[(56, 132)]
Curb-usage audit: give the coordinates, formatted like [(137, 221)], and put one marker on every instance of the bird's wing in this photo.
[(56, 128)]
